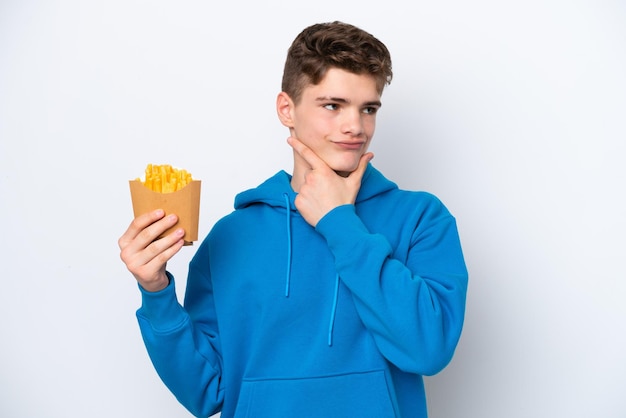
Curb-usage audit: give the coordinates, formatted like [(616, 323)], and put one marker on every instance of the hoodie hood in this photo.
[(272, 192)]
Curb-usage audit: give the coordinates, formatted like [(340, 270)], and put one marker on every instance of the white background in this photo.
[(513, 113)]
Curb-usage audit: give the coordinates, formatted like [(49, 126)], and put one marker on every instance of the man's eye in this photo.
[(370, 110), (330, 106)]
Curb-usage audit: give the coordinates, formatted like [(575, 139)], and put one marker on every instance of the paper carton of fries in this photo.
[(172, 190)]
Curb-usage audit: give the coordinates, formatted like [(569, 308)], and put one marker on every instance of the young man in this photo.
[(328, 293)]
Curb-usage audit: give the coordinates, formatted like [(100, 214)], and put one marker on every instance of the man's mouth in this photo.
[(353, 146)]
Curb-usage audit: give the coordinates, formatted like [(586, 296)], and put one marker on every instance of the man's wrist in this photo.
[(156, 285)]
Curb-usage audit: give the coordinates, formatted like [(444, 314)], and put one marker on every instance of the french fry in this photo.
[(172, 190), (165, 179)]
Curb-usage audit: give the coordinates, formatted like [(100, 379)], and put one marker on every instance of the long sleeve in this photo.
[(410, 295), (185, 354)]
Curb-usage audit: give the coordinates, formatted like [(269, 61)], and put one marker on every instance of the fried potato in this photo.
[(165, 179)]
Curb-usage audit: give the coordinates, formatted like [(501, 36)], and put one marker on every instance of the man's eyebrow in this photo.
[(376, 103), (332, 99)]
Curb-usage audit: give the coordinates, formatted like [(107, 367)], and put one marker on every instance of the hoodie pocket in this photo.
[(363, 395)]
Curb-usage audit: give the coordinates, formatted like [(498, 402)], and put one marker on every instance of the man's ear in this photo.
[(284, 108)]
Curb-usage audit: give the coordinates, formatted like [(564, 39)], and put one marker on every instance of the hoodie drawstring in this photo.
[(288, 279), (333, 309)]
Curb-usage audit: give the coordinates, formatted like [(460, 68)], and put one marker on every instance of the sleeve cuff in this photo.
[(161, 308)]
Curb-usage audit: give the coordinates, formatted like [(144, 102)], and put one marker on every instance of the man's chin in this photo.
[(345, 172), (344, 169)]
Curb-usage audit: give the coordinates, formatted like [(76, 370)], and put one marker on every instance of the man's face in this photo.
[(337, 119)]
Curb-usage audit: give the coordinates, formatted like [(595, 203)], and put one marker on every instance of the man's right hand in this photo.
[(144, 255)]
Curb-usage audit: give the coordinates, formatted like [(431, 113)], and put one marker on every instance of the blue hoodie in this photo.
[(281, 319)]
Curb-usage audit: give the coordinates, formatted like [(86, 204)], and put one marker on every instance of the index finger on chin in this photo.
[(305, 152)]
